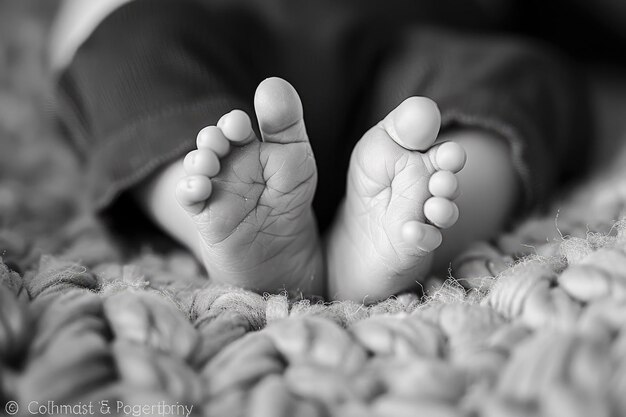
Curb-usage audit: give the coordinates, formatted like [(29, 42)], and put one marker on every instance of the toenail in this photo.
[(191, 182)]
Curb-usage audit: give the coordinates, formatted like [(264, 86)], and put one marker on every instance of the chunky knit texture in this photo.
[(533, 324)]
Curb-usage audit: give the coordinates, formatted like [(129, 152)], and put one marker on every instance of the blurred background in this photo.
[(38, 174), (40, 184)]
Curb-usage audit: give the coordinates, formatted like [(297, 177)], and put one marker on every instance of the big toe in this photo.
[(414, 124), (279, 112)]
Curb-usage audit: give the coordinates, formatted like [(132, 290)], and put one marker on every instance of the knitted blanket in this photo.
[(532, 324)]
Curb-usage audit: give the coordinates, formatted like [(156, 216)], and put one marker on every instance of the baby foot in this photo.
[(251, 200), (399, 195)]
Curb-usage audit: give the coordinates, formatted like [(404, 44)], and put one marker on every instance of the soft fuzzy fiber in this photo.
[(533, 324)]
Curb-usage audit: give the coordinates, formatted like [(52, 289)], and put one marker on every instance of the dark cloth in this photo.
[(156, 71)]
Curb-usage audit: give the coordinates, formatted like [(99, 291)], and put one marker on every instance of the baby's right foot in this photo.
[(251, 200), (399, 194)]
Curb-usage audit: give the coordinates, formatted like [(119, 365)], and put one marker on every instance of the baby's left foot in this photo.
[(399, 195), (250, 200)]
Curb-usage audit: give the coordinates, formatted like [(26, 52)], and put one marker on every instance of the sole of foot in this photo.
[(250, 199), (400, 193)]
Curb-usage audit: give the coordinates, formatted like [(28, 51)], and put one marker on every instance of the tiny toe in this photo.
[(237, 127), (444, 184), (211, 137), (192, 190), (441, 212), (450, 156), (202, 162), (423, 236), (414, 124)]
